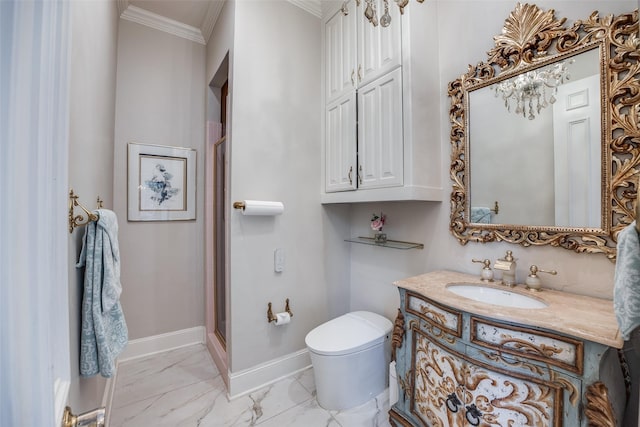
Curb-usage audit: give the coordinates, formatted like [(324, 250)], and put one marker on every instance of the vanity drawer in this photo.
[(445, 318), (563, 352)]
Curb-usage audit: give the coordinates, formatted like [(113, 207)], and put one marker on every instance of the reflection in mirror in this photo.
[(563, 168), (540, 159)]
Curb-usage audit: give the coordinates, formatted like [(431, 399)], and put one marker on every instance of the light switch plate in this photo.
[(278, 260)]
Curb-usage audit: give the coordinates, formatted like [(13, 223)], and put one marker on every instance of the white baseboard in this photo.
[(248, 380), (158, 343)]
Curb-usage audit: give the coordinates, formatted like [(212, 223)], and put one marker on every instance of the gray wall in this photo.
[(275, 151), (92, 106), (160, 99)]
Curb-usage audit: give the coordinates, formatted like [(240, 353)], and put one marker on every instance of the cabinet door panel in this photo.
[(379, 48), (380, 132), (452, 389), (341, 145), (340, 53)]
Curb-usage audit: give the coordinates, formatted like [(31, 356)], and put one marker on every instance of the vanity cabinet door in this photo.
[(436, 397), (454, 389)]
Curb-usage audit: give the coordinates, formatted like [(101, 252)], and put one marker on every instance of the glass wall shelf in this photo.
[(395, 244)]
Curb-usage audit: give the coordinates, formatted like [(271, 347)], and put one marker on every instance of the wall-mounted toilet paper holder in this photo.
[(270, 315), (259, 207)]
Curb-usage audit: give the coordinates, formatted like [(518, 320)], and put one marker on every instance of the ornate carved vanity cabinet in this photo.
[(460, 362)]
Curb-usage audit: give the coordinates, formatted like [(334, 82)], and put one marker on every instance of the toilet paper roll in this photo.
[(261, 207), (282, 318)]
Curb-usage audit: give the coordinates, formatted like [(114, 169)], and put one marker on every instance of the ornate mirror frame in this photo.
[(531, 38)]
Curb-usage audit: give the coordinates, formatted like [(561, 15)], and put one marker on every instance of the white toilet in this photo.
[(350, 357)]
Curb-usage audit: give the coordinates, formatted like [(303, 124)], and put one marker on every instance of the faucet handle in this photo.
[(533, 282), (534, 270), (487, 273)]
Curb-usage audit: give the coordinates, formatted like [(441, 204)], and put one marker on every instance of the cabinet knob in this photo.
[(360, 72), (453, 402), (353, 77), (360, 175), (473, 415), (350, 173)]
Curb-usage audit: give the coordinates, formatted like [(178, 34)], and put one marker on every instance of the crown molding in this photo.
[(312, 6), (122, 6), (159, 22), (210, 19)]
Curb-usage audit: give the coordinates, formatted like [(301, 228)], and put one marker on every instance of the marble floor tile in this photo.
[(182, 388), (256, 407), (307, 414), (184, 406), (150, 376), (307, 380), (374, 413)]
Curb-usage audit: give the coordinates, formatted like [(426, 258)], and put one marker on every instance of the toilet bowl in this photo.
[(350, 357)]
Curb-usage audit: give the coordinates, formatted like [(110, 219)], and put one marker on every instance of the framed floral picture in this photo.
[(161, 183)]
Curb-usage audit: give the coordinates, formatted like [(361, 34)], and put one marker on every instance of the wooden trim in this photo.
[(398, 334), (396, 419), (598, 410), (579, 345), (456, 332)]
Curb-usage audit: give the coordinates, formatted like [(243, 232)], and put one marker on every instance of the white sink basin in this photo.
[(495, 296)]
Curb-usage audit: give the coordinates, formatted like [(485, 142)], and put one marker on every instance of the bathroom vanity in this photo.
[(544, 358)]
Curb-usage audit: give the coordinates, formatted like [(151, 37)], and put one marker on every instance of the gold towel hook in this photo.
[(78, 220)]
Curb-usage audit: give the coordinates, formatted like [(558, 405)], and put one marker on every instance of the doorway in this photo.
[(216, 241), (220, 190)]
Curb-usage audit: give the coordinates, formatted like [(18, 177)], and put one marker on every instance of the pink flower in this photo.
[(378, 221)]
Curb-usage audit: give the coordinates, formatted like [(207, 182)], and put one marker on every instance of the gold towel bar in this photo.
[(78, 220), (496, 208)]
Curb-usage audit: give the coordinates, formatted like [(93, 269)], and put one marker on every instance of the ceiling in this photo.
[(190, 12), (193, 19)]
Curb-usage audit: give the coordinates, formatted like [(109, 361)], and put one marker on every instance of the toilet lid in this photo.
[(349, 333)]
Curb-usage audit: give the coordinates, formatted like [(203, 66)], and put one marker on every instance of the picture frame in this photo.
[(161, 183)]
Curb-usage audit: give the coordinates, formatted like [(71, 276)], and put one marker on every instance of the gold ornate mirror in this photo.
[(545, 135)]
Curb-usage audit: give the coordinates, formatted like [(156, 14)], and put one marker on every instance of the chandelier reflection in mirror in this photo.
[(534, 90), (371, 13)]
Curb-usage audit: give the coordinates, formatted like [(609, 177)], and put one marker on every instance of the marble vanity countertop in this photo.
[(589, 318)]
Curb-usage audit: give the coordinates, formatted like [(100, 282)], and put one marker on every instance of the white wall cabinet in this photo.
[(340, 140), (340, 56), (356, 52), (379, 49), (369, 152), (380, 132)]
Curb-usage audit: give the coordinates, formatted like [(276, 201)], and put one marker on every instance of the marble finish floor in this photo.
[(183, 387)]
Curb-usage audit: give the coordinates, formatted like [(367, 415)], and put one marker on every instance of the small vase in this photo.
[(380, 238)]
